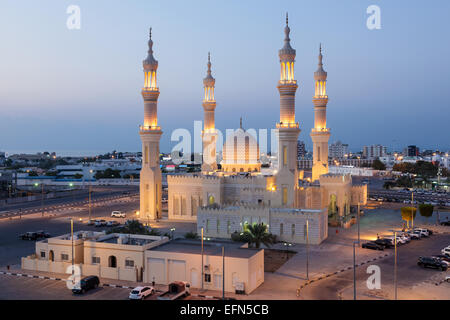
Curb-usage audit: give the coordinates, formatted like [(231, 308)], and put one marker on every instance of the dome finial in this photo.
[(150, 33), (240, 123), (287, 19)]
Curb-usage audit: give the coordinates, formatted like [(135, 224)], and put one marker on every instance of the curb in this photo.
[(337, 272)]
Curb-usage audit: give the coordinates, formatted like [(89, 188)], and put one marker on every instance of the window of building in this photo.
[(281, 229), (64, 256), (218, 225), (284, 156), (208, 277), (207, 225), (318, 153), (42, 254), (129, 263), (228, 227), (146, 155), (95, 260), (293, 230), (285, 195)]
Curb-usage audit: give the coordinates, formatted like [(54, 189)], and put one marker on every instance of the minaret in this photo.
[(320, 134), (288, 128), (209, 134), (150, 132)]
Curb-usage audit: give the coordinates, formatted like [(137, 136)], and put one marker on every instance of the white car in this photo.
[(139, 293), (423, 232), (446, 251), (118, 214), (100, 223)]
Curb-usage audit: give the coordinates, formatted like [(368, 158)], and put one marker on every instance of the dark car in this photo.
[(372, 245), (386, 243), (442, 257), (431, 262), (88, 283), (42, 234), (29, 236), (445, 223)]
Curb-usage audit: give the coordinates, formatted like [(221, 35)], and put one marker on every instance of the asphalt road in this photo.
[(409, 273), (98, 193)]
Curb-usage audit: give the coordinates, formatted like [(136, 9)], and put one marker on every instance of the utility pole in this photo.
[(89, 201), (412, 211), (203, 276)]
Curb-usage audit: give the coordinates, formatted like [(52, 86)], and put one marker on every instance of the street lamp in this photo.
[(354, 270), (172, 230), (307, 249)]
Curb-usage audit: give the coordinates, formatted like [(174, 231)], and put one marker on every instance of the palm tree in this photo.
[(257, 234)]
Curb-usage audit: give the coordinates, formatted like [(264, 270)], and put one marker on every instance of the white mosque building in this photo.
[(223, 201)]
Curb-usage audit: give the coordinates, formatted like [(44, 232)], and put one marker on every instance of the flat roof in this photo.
[(211, 248)]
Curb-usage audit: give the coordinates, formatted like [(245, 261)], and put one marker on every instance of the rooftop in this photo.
[(210, 248)]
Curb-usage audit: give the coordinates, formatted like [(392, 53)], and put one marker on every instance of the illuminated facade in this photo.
[(320, 134), (224, 200), (150, 132), (209, 134)]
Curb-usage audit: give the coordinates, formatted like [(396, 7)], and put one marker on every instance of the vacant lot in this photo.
[(274, 259)]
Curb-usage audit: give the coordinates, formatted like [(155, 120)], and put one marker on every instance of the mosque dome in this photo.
[(240, 152)]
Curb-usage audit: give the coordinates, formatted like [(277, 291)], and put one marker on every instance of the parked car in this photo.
[(91, 222), (29, 236), (43, 234), (443, 257), (446, 251), (177, 289), (431, 262), (118, 214), (100, 223), (87, 283), (413, 236), (112, 223), (387, 243), (447, 278), (139, 293), (423, 232), (372, 245)]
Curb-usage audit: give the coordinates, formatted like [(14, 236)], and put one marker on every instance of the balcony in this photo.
[(288, 125), (147, 128), (320, 130)]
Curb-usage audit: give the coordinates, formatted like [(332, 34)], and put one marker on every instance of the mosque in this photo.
[(223, 199)]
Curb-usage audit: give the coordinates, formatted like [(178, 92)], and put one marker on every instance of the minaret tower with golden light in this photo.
[(150, 132), (320, 134), (209, 134), (288, 128)]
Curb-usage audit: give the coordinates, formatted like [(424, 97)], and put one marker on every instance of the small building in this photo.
[(113, 256), (181, 260)]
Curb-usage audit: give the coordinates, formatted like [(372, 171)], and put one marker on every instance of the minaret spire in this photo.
[(240, 123), (150, 132), (209, 134), (320, 134)]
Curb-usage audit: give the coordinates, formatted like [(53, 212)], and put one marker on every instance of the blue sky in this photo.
[(78, 91)]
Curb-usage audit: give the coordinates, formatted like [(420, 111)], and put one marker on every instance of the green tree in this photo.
[(378, 165), (408, 214), (191, 235), (426, 210), (255, 234)]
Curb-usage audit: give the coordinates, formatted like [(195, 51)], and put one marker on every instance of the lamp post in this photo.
[(71, 236), (307, 249), (412, 211), (172, 232), (357, 219), (395, 265), (354, 272), (42, 198), (223, 273), (203, 276)]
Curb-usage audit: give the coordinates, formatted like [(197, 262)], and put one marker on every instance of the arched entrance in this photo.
[(112, 262), (51, 256)]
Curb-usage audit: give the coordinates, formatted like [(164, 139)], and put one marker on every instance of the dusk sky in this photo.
[(78, 91)]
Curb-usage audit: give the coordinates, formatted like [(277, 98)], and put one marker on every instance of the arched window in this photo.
[(281, 229)]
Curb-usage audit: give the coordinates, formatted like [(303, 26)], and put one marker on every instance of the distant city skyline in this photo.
[(77, 92)]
